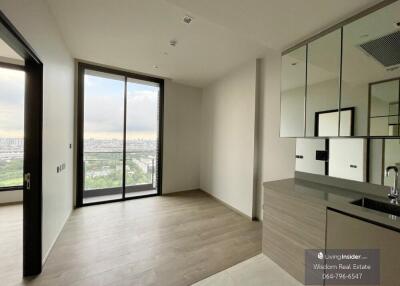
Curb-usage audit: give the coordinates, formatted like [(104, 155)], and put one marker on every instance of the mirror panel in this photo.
[(323, 85), (371, 54), (385, 98), (384, 108), (293, 90), (391, 157), (357, 159)]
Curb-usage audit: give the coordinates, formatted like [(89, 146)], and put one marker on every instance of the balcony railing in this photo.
[(11, 170), (103, 172)]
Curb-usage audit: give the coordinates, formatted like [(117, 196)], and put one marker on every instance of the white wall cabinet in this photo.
[(347, 159), (306, 156)]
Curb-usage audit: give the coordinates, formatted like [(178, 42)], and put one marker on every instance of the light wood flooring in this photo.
[(10, 244), (175, 240)]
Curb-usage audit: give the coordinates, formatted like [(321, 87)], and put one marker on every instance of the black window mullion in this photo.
[(124, 142)]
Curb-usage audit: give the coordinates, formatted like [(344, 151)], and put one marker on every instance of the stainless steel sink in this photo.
[(378, 206)]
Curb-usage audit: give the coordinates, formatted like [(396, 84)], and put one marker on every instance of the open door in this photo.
[(32, 151)]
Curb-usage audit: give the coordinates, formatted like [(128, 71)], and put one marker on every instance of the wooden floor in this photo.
[(10, 244), (170, 240)]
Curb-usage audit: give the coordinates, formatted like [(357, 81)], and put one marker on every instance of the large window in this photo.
[(12, 94), (120, 135), (141, 136)]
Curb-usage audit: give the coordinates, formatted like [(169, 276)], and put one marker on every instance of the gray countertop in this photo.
[(333, 197)]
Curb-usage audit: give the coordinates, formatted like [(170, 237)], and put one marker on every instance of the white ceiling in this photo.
[(135, 34)]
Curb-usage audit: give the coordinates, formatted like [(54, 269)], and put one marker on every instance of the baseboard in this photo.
[(10, 204), (179, 192), (229, 206), (55, 240)]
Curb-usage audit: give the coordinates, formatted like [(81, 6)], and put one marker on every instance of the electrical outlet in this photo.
[(61, 167)]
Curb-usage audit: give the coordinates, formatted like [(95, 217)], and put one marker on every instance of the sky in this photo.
[(104, 109), (12, 93)]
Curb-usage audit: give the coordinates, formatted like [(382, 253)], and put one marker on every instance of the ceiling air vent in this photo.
[(385, 50)]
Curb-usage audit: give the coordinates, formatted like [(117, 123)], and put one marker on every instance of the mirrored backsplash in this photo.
[(361, 159), (345, 83)]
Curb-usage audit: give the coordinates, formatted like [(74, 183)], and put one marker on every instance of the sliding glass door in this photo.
[(141, 164), (119, 125), (103, 136)]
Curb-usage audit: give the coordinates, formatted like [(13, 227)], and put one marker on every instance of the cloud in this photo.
[(12, 94), (104, 106), (142, 111)]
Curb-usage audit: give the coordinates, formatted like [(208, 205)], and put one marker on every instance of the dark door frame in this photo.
[(80, 130), (32, 195)]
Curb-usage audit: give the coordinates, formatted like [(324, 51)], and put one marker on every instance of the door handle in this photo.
[(27, 179)]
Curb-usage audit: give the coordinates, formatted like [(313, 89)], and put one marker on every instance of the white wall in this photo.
[(228, 137), (181, 162), (276, 155), (35, 22), (240, 141)]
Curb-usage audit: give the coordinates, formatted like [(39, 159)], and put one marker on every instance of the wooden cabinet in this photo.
[(346, 232), (290, 226)]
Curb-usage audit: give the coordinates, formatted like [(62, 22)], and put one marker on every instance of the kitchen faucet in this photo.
[(394, 192)]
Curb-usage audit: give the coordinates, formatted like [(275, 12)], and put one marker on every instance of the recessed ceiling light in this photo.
[(187, 19), (155, 66), (173, 43)]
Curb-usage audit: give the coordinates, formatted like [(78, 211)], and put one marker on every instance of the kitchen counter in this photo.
[(333, 197)]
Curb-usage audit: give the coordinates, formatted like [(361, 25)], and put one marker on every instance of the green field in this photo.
[(11, 172), (104, 170)]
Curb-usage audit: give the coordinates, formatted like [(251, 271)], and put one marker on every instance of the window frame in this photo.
[(20, 68), (81, 67)]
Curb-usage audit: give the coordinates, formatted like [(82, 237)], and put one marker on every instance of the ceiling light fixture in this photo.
[(155, 66), (187, 19), (173, 43)]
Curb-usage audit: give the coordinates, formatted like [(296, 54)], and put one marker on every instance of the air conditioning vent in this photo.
[(385, 50)]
